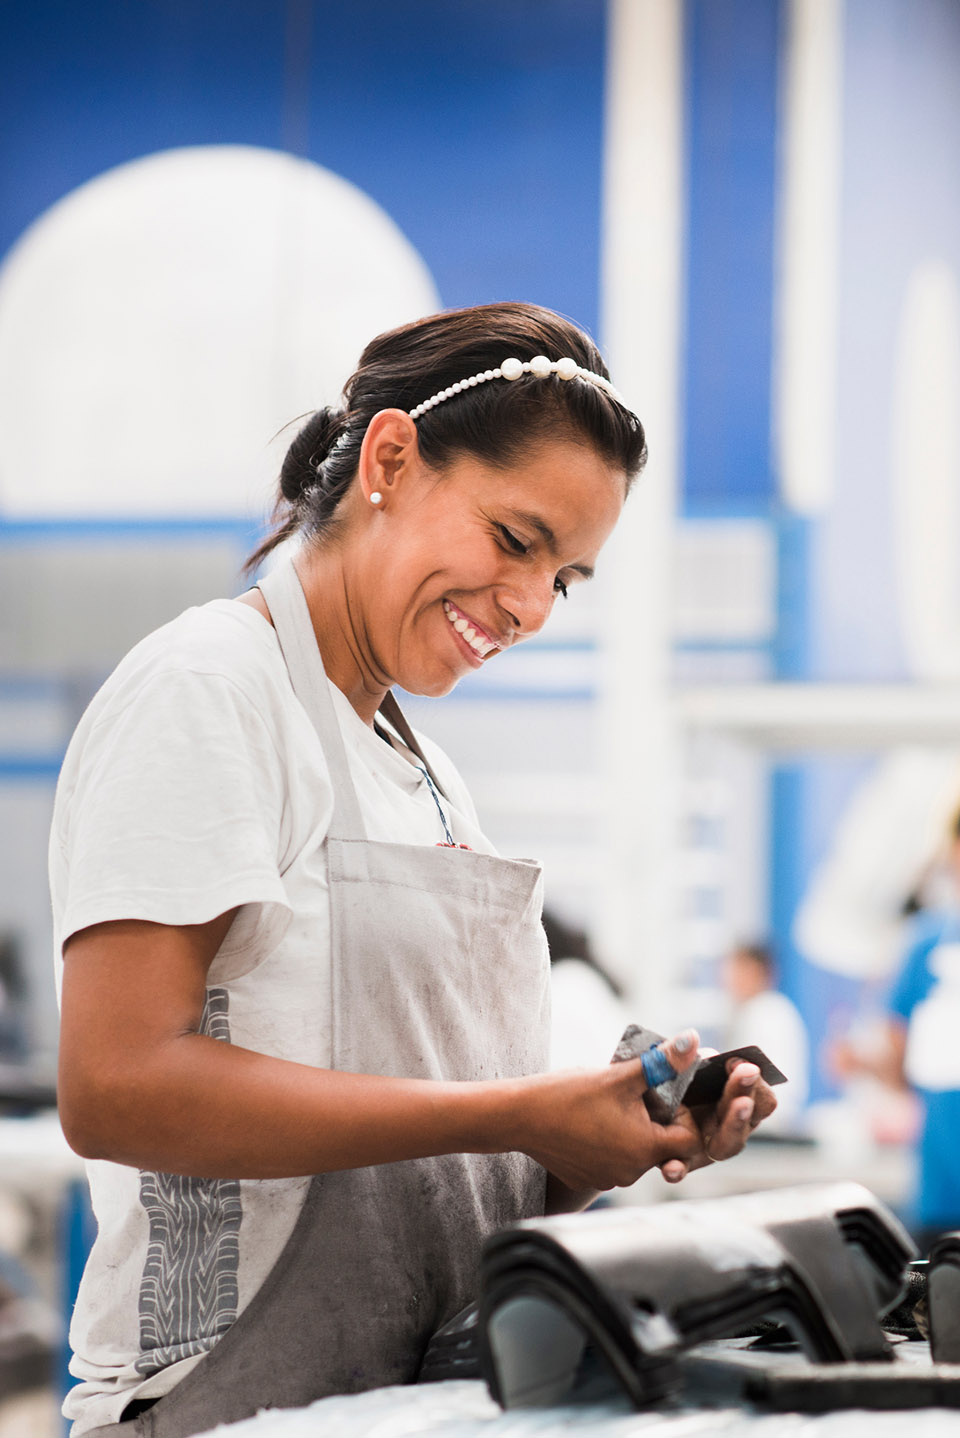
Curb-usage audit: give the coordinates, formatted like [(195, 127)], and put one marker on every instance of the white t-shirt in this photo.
[(195, 783), (771, 1021)]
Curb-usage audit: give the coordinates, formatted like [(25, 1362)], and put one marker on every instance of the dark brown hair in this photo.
[(760, 954), (495, 422), (569, 941)]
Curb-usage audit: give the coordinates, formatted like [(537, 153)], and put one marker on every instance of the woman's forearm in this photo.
[(214, 1110), (140, 1085)]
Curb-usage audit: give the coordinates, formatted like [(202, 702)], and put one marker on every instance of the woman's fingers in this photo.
[(668, 1059), (764, 1098), (731, 1132), (590, 1129), (746, 1100)]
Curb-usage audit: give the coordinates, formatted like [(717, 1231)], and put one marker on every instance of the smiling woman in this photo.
[(304, 1002), (478, 462)]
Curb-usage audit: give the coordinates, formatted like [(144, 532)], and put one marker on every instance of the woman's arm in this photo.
[(141, 1086)]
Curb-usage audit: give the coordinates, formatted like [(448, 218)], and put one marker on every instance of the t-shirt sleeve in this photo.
[(177, 815)]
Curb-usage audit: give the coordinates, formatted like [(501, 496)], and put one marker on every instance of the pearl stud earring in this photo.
[(376, 497)]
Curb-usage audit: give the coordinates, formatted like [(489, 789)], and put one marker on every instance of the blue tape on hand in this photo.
[(657, 1068)]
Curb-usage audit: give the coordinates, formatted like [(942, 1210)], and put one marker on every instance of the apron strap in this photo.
[(283, 592), (394, 715)]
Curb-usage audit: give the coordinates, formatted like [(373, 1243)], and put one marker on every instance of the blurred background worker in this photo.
[(588, 1012), (761, 1015), (922, 1050)]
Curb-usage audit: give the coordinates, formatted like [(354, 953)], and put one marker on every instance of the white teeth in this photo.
[(482, 646), (477, 642)]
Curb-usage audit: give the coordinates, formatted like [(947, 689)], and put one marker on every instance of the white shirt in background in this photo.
[(772, 1022)]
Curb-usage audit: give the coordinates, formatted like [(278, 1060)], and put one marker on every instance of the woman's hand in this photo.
[(591, 1129), (721, 1130)]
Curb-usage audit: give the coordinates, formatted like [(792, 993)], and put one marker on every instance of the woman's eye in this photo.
[(517, 545)]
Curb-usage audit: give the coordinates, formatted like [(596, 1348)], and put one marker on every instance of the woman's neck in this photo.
[(337, 628)]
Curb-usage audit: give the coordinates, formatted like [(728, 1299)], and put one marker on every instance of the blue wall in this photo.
[(477, 126)]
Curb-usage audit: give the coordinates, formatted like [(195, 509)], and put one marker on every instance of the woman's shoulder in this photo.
[(223, 640), (222, 636), (213, 659)]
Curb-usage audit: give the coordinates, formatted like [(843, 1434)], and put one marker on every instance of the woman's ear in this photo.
[(387, 455)]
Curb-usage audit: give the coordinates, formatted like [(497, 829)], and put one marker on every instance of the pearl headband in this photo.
[(511, 369), (508, 369)]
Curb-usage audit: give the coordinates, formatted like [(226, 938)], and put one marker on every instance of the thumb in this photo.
[(669, 1058)]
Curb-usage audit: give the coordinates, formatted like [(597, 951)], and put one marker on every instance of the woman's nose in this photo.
[(528, 604)]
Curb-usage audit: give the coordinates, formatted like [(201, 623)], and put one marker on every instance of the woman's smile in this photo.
[(482, 554), (476, 642)]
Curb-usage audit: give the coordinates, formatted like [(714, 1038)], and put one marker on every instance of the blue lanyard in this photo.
[(452, 843)]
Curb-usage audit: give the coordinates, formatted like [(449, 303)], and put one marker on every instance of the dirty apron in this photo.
[(438, 970)]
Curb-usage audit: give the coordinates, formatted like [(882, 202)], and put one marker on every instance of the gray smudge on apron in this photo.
[(438, 970)]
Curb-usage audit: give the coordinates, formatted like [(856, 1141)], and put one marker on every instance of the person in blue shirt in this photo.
[(924, 1006), (923, 1053)]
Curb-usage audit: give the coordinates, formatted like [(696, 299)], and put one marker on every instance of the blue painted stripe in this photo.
[(15, 767), (13, 531), (792, 649), (722, 646), (17, 687), (786, 815), (717, 510), (733, 68), (558, 646), (500, 694), (77, 1231)]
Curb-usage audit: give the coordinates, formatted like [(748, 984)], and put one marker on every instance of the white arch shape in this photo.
[(161, 322)]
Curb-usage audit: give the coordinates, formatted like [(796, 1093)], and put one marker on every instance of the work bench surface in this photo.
[(465, 1410)]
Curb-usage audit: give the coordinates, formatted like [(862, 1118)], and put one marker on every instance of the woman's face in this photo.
[(461, 566)]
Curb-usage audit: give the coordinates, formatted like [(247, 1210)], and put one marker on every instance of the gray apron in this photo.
[(438, 970)]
